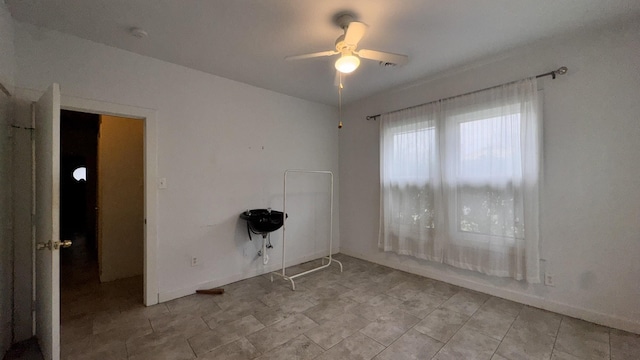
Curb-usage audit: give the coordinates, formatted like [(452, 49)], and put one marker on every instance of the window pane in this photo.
[(489, 164), (489, 149), (412, 205), (411, 160), (489, 211), (413, 155)]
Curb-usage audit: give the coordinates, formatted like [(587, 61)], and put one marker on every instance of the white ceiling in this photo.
[(246, 40)]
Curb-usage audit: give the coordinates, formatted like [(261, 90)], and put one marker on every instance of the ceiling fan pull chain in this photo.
[(340, 103)]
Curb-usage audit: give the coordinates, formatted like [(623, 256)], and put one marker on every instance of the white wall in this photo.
[(7, 78), (120, 197), (590, 213), (22, 205), (222, 146)]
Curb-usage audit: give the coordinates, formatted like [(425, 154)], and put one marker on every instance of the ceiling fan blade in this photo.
[(355, 32), (386, 57), (311, 55)]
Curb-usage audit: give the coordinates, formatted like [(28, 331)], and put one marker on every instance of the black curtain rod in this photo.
[(561, 71)]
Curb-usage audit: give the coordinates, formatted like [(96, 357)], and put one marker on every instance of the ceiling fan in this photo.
[(347, 44)]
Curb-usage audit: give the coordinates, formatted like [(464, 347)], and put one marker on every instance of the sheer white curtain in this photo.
[(410, 182), (482, 174)]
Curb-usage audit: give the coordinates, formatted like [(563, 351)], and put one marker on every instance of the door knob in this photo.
[(62, 244), (55, 245)]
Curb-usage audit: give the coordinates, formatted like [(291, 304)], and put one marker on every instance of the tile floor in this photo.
[(367, 312)]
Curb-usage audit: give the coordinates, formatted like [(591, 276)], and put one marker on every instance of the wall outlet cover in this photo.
[(548, 279)]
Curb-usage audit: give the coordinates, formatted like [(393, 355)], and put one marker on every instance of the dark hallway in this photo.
[(78, 189)]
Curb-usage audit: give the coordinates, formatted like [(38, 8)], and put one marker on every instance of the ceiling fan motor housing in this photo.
[(343, 47)]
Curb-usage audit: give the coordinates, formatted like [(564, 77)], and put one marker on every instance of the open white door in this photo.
[(47, 167)]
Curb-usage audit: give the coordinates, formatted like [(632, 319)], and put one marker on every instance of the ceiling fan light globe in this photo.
[(347, 64)]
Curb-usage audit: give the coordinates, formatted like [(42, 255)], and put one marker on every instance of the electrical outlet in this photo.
[(195, 261), (548, 279)]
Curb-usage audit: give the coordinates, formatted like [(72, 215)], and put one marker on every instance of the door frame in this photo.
[(148, 116)]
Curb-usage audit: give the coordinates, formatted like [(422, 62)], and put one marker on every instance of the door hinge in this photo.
[(42, 245), (54, 245)]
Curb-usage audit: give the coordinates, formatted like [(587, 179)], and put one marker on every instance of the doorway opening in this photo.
[(102, 211)]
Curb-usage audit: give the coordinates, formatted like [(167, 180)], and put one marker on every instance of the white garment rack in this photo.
[(284, 231)]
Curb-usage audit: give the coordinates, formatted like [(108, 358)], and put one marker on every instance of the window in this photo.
[(413, 151), (488, 175), (80, 174), (459, 181)]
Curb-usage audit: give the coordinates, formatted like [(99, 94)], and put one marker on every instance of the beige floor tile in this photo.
[(624, 345), (71, 330), (327, 292), (491, 323), (527, 344), (170, 348), (376, 307), (387, 328), (332, 332), (185, 325), (465, 302), (330, 309), (356, 347), (234, 312), (422, 305), (324, 276), (498, 357), (196, 304), (442, 324), (224, 334), (392, 279), (241, 349), (211, 340), (281, 332), (121, 327), (412, 345), (559, 355), (583, 339), (269, 316), (154, 342), (441, 289), (384, 300), (299, 348), (146, 312), (406, 290), (363, 293), (295, 305), (331, 315), (281, 295), (468, 345), (499, 305), (95, 355), (538, 321), (357, 280), (93, 346)]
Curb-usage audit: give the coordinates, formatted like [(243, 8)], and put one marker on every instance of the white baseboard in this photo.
[(527, 299), (274, 266)]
